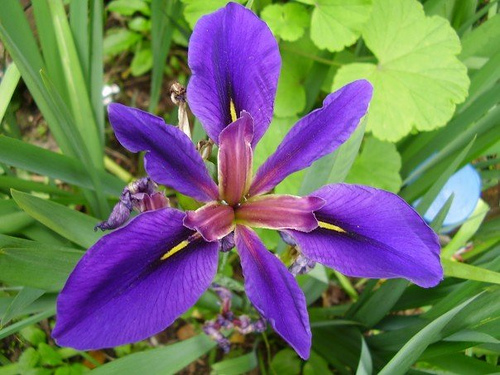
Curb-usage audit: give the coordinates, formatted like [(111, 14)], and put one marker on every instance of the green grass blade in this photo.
[(96, 67), (75, 83), (410, 352), (469, 272), (365, 366), (7, 87), (23, 299), (35, 159), (10, 330), (162, 361), (70, 224), (236, 366), (162, 28), (78, 17)]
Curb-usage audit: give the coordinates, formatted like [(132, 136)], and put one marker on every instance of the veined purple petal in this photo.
[(234, 59), (317, 134), (273, 291), (367, 232), (213, 221), (235, 159), (122, 291), (280, 212), (171, 158)]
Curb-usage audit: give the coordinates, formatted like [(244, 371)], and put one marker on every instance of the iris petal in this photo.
[(121, 291), (280, 212), (367, 232), (317, 134), (235, 159), (235, 64), (273, 291), (213, 221), (171, 158)]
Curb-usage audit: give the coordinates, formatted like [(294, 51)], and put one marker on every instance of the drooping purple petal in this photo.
[(235, 159), (213, 221), (121, 291), (367, 232), (273, 291), (171, 158), (317, 134), (279, 212), (234, 57)]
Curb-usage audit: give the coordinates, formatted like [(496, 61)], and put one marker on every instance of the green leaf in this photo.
[(365, 366), (129, 7), (483, 41), (236, 366), (337, 24), (286, 21), (469, 272), (410, 352), (140, 24), (119, 40), (333, 168), (23, 299), (142, 62), (35, 159), (162, 361), (196, 8), (418, 80), (291, 95), (286, 361), (10, 330), (48, 355), (377, 165), (316, 365), (8, 85), (70, 224)]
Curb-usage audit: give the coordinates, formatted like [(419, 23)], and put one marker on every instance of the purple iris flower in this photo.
[(135, 281)]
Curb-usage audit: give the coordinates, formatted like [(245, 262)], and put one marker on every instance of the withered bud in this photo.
[(205, 148), (178, 97)]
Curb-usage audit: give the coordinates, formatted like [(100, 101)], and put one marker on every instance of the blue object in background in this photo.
[(465, 184)]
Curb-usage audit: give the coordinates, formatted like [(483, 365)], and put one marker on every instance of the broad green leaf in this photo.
[(333, 168), (336, 24), (377, 165), (286, 361), (460, 363), (129, 7), (196, 8), (7, 86), (70, 224), (161, 361), (469, 272), (140, 24), (236, 366), (410, 352), (418, 79), (316, 365), (286, 21), (142, 61), (119, 40), (291, 95)]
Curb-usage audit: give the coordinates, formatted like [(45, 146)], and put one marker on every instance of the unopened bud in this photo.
[(301, 265)]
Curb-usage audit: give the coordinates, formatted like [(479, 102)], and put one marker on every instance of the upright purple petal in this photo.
[(213, 221), (279, 212), (171, 158), (317, 134), (234, 58), (235, 159), (367, 232), (122, 291), (273, 291)]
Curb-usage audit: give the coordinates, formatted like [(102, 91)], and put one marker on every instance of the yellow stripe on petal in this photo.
[(329, 226), (232, 110), (175, 249)]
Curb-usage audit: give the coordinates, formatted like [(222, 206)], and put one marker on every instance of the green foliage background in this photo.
[(434, 65)]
